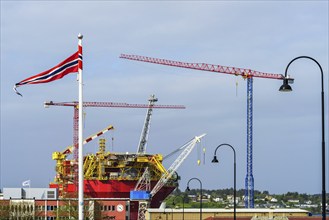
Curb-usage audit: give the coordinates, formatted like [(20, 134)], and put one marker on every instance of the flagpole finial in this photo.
[(80, 36)]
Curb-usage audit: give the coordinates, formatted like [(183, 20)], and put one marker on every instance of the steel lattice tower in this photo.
[(249, 181)]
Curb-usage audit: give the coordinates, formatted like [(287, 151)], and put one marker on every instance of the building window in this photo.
[(51, 194), (51, 207)]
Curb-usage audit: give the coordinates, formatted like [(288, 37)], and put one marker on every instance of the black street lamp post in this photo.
[(215, 160), (188, 189), (287, 88)]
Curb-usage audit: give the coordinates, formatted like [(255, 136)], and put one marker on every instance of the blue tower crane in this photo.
[(245, 73)]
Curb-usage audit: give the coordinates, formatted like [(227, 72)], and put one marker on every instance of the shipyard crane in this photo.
[(246, 74), (146, 128), (143, 183), (188, 147), (75, 105)]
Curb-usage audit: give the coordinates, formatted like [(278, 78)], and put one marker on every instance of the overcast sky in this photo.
[(257, 35)]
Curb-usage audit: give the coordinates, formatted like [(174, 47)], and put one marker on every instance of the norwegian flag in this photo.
[(70, 65)]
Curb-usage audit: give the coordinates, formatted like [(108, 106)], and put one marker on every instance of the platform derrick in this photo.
[(146, 128)]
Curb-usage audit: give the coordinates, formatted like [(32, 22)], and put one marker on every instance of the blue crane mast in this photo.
[(249, 180)]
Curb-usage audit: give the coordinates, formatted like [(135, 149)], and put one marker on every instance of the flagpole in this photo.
[(80, 158)]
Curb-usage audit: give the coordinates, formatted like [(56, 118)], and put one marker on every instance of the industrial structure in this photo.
[(246, 74)]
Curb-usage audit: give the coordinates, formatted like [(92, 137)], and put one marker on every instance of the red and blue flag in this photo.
[(71, 65)]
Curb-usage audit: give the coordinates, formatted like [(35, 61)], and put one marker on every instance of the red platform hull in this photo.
[(116, 189)]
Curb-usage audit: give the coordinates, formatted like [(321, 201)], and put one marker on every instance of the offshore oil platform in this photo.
[(136, 176)]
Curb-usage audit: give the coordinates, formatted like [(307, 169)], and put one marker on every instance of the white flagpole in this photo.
[(80, 158)]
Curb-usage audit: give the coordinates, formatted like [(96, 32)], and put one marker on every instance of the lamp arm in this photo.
[(229, 146), (306, 57)]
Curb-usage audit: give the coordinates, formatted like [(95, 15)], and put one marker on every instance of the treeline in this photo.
[(258, 195), (222, 198)]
